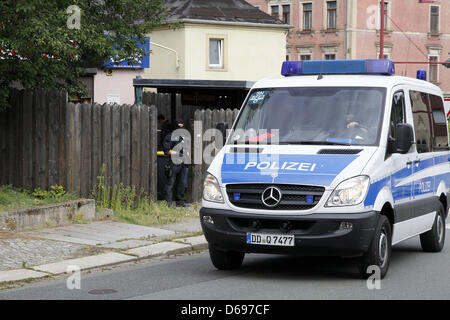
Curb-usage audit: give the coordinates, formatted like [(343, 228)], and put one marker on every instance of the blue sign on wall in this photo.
[(144, 63)]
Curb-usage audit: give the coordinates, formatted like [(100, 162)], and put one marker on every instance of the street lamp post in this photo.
[(382, 30)]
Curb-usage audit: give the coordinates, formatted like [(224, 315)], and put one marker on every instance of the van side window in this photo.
[(440, 140), (397, 113), (422, 120)]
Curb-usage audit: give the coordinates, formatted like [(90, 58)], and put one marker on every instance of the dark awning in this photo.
[(185, 84)]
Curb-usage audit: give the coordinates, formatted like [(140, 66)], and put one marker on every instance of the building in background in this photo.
[(114, 83), (416, 31), (217, 45)]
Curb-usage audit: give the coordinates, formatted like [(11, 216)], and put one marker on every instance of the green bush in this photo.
[(55, 192)]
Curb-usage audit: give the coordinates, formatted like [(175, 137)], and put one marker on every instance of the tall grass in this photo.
[(132, 206)]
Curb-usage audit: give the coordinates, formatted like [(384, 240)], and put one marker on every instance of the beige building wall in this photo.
[(250, 53), (163, 62)]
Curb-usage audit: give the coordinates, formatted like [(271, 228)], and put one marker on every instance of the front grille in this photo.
[(293, 196)]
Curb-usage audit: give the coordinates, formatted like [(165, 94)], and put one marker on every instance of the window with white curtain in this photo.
[(216, 53)]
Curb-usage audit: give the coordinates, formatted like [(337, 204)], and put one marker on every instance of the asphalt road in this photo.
[(413, 274)]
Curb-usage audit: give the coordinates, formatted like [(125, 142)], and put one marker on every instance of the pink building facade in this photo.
[(416, 31)]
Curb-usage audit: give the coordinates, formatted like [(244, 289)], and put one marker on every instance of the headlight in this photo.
[(211, 189), (349, 192)]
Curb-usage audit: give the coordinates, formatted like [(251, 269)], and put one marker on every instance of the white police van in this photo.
[(337, 158)]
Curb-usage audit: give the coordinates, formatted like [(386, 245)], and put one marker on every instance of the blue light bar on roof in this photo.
[(312, 67)]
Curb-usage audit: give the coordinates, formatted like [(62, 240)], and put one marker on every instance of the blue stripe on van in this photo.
[(319, 170), (426, 185)]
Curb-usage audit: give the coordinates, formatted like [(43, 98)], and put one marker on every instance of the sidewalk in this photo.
[(47, 252)]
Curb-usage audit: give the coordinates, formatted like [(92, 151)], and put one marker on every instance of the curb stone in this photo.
[(20, 274), (187, 245)]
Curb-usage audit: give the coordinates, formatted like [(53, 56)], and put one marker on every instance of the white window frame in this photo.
[(325, 14), (429, 18), (275, 5), (282, 11), (304, 50), (388, 21), (437, 67), (387, 51), (222, 66)]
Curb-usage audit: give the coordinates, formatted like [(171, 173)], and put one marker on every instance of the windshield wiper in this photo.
[(328, 143)]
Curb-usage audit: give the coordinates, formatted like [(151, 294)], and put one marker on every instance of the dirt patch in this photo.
[(6, 234), (89, 251)]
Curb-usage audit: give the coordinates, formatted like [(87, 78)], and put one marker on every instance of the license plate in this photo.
[(271, 239)]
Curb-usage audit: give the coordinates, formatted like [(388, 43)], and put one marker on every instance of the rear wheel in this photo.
[(379, 253), (434, 239), (225, 260)]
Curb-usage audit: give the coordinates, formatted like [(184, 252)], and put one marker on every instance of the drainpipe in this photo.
[(177, 62), (382, 30)]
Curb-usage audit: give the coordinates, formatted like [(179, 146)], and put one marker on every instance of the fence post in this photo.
[(96, 144), (145, 149), (86, 149), (153, 149), (115, 145), (106, 143), (197, 175), (125, 157), (40, 141), (62, 105), (53, 138)]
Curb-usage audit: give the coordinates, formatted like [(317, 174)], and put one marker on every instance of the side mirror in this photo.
[(223, 127), (405, 138)]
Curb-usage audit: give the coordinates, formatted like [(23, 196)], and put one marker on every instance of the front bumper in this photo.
[(315, 235)]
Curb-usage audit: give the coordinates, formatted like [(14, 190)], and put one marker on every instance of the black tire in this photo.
[(434, 239), (225, 260), (379, 253)]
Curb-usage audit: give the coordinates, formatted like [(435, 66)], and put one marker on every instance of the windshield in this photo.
[(318, 115)]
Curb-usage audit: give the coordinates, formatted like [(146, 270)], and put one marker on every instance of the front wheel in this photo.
[(434, 239), (379, 253), (225, 260)]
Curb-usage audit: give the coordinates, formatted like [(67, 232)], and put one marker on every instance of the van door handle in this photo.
[(409, 163)]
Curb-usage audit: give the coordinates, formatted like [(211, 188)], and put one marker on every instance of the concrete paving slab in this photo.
[(198, 242), (188, 226), (112, 233), (20, 274), (159, 249), (160, 231), (127, 244), (101, 233), (80, 235), (63, 238), (100, 260)]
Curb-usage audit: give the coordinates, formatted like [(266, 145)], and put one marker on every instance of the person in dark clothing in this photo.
[(176, 172), (164, 129)]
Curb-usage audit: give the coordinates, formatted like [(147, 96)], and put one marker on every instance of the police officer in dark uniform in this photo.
[(176, 171)]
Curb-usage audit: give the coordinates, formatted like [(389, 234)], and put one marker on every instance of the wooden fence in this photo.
[(45, 141), (209, 119)]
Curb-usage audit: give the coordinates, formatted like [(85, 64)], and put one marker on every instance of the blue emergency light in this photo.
[(422, 75), (316, 67)]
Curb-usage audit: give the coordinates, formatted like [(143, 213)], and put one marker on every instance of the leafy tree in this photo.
[(43, 46)]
